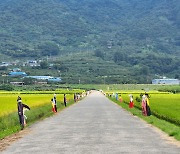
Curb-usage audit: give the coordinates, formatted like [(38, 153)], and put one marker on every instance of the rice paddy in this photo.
[(163, 105), (8, 102), (165, 108), (39, 102)]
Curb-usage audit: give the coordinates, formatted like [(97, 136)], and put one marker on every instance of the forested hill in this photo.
[(144, 34)]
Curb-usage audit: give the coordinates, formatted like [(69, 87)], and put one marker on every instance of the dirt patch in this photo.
[(4, 143)]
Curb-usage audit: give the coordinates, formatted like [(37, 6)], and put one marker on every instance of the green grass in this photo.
[(135, 92), (125, 87), (165, 106), (57, 91), (168, 127), (170, 88), (39, 102), (9, 124)]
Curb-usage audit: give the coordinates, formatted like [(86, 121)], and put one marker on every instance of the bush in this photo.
[(138, 99), (7, 87), (43, 65), (28, 81)]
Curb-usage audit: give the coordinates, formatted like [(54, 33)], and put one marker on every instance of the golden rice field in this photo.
[(8, 102)]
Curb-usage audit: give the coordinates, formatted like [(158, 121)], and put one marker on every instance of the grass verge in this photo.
[(9, 124), (167, 127)]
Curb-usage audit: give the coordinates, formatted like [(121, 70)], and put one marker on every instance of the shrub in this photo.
[(7, 87), (138, 99)]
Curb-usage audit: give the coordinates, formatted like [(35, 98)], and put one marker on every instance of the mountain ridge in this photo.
[(138, 35)]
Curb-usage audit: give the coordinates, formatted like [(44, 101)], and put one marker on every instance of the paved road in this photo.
[(95, 125)]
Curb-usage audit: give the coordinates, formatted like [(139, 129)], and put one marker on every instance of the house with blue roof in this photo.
[(47, 78), (17, 74), (54, 79)]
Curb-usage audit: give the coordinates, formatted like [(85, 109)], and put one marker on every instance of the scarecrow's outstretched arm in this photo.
[(24, 105)]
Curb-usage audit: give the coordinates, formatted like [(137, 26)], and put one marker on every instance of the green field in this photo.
[(165, 106), (165, 109), (39, 102)]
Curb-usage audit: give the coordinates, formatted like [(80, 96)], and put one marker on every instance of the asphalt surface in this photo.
[(94, 125)]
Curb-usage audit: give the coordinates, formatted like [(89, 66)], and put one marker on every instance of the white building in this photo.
[(166, 81), (33, 63)]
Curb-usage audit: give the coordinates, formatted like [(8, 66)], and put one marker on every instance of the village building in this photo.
[(17, 83), (166, 81), (46, 78), (33, 63), (17, 74)]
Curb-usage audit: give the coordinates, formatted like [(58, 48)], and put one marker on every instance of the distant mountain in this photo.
[(137, 34)]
